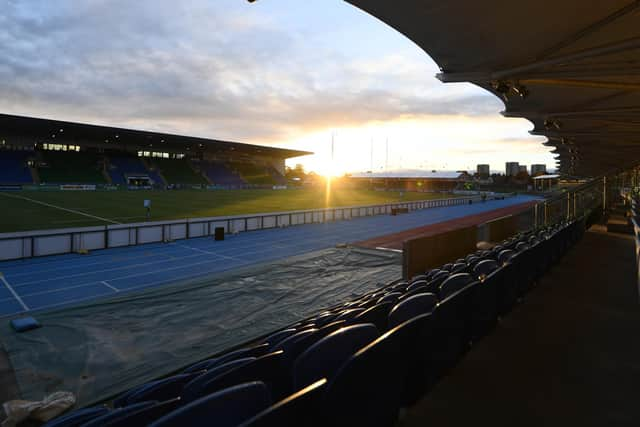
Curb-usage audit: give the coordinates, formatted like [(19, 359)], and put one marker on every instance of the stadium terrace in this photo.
[(42, 151)]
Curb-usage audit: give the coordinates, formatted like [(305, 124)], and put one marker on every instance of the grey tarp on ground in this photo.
[(100, 349)]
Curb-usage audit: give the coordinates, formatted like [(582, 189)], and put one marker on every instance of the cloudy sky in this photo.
[(289, 73)]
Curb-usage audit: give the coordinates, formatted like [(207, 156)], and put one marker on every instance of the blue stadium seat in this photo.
[(412, 307), (425, 289), (416, 284), (323, 358), (505, 255), (225, 408), (253, 351), (274, 339), (267, 369), (296, 345), (365, 303), (399, 287), (117, 414), (485, 305), (390, 297), (13, 167), (142, 416), (324, 318), (459, 267), (295, 410), (418, 278), (377, 315), (78, 417), (192, 390), (437, 279), (453, 316), (431, 273), (348, 314), (368, 388), (454, 283), (165, 389), (484, 268)]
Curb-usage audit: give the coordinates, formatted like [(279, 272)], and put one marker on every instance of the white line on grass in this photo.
[(13, 196), (15, 295), (104, 282)]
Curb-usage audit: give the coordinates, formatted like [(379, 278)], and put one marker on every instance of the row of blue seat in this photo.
[(356, 363)]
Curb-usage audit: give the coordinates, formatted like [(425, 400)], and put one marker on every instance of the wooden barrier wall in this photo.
[(502, 228), (424, 253)]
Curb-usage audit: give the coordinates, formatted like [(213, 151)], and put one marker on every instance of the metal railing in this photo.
[(571, 203)]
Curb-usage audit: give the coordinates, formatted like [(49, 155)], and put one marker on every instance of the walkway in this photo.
[(568, 355)]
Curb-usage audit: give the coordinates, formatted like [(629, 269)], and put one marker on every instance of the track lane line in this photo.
[(104, 282), (15, 295)]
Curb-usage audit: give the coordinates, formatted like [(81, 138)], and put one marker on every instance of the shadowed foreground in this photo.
[(568, 355)]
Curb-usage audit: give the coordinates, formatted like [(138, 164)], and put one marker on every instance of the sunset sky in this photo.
[(287, 73)]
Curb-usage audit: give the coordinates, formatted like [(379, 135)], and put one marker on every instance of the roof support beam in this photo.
[(608, 134), (594, 84), (573, 113), (590, 29), (517, 72)]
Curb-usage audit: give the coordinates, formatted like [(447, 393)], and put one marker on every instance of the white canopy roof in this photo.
[(572, 67)]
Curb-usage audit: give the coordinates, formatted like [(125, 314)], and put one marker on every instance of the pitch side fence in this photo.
[(29, 244)]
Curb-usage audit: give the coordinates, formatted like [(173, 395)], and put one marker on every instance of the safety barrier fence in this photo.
[(569, 204), (69, 240), (422, 253)]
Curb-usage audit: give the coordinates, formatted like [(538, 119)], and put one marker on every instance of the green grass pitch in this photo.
[(19, 214)]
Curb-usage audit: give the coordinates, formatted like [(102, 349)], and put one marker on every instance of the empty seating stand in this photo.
[(70, 167), (356, 363), (178, 171), (13, 167), (122, 167), (220, 175), (254, 173)]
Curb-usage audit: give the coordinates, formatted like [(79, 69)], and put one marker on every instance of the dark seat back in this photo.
[(377, 315), (295, 410), (412, 307), (225, 408), (323, 358), (369, 387), (454, 283)]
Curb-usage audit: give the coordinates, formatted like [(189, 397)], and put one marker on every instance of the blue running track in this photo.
[(48, 282)]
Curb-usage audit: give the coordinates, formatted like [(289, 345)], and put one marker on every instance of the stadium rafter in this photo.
[(575, 76)]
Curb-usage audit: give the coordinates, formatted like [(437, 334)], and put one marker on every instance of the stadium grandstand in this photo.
[(500, 310), (36, 151), (412, 180)]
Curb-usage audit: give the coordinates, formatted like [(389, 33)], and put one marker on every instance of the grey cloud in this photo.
[(196, 70)]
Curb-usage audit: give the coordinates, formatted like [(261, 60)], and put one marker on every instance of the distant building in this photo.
[(483, 171), (538, 169), (522, 168), (512, 168)]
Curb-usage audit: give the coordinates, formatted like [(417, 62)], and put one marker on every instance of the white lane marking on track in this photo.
[(13, 196), (70, 276), (155, 283), (104, 282), (15, 295), (263, 240), (256, 243), (208, 253)]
